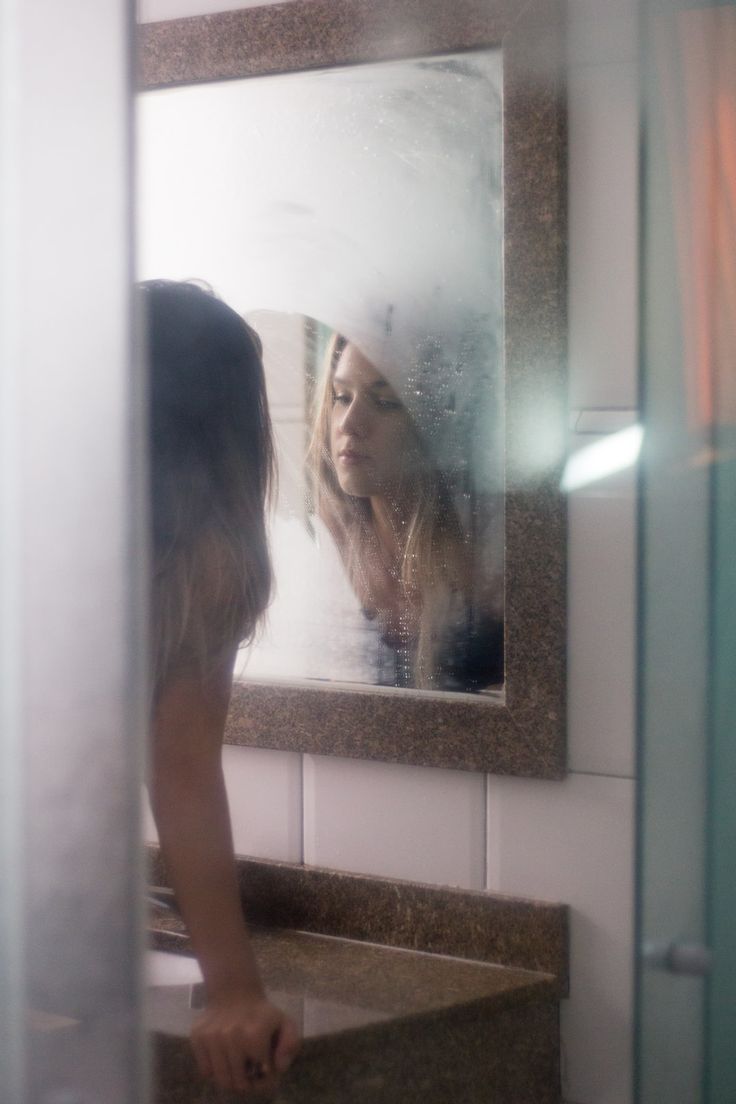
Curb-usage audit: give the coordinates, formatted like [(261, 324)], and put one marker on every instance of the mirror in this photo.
[(371, 223), (354, 217)]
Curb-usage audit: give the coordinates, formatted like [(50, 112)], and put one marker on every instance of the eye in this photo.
[(340, 397), (388, 404)]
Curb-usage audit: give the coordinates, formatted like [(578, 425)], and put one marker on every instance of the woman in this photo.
[(211, 466), (392, 515)]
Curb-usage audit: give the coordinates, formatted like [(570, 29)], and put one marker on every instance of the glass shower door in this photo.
[(686, 1023), (72, 718)]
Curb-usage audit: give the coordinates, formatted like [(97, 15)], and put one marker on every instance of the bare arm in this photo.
[(190, 806)]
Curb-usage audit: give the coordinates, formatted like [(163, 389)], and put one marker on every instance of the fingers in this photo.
[(261, 1081), (202, 1056), (212, 1060), (242, 1051), (222, 1074), (287, 1045), (249, 1064), (236, 1060)]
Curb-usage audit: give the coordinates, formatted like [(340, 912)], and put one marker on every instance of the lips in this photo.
[(350, 456)]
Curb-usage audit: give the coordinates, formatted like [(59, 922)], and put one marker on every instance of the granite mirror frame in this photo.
[(523, 731)]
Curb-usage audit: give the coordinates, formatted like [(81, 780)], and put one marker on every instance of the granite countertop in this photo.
[(379, 1024), (330, 985), (402, 991)]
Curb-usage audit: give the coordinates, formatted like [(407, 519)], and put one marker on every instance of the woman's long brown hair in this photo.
[(211, 470), (433, 566)]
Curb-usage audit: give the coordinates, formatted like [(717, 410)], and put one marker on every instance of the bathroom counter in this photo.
[(405, 993), (330, 985), (380, 1024)]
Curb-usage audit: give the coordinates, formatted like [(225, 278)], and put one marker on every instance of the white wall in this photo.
[(568, 841)]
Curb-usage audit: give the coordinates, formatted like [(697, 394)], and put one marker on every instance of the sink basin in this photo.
[(174, 991), (163, 969)]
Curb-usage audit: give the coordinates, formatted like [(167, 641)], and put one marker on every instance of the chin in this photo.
[(356, 488)]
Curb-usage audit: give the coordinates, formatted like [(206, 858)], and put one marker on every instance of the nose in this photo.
[(354, 422)]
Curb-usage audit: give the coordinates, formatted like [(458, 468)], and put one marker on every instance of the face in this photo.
[(372, 441)]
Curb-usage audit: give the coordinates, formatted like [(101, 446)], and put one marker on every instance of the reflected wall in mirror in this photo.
[(354, 216), (393, 231)]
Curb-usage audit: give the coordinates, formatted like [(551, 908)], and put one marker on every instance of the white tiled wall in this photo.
[(573, 841), (264, 791), (600, 31), (568, 841), (603, 219), (402, 822), (601, 623), (265, 794)]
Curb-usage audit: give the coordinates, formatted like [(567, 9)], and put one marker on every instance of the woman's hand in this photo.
[(243, 1043)]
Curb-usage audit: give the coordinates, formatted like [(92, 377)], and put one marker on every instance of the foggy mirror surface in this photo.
[(355, 217)]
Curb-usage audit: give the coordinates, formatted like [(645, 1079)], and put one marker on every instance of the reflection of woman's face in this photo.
[(372, 441)]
